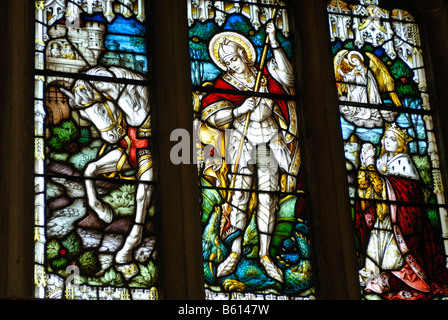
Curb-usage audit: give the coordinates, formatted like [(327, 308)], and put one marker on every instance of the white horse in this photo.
[(120, 112)]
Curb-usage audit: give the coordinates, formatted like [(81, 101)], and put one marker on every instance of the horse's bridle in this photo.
[(120, 124)]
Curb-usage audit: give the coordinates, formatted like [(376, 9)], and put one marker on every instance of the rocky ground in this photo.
[(67, 212)]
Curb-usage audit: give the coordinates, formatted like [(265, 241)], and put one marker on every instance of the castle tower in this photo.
[(95, 38)]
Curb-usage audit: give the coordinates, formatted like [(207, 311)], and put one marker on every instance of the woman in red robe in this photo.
[(405, 258)]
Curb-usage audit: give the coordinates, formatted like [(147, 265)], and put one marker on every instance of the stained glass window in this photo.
[(398, 206), (255, 228), (94, 214)]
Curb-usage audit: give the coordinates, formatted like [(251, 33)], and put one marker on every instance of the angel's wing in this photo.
[(383, 78), (340, 62)]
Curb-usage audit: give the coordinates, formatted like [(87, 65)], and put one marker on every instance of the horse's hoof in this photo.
[(132, 241), (106, 215), (123, 256)]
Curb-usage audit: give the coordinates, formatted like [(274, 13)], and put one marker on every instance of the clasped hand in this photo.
[(248, 106), (367, 155)]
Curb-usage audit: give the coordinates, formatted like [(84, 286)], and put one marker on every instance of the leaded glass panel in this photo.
[(256, 233), (398, 204), (94, 218)]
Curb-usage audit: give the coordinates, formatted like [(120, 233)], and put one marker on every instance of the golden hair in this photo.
[(402, 143)]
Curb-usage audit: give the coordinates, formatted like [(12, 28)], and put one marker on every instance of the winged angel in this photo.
[(360, 83)]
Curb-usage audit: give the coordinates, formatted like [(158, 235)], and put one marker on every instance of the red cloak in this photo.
[(423, 242), (273, 86)]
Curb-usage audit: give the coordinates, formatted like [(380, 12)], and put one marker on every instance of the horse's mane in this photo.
[(138, 93)]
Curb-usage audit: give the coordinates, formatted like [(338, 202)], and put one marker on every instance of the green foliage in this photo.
[(85, 136), (59, 157), (399, 70), (433, 214), (368, 48), (286, 44), (62, 253), (55, 143), (198, 50), (81, 159), (203, 31), (147, 277), (240, 24), (258, 38), (111, 277), (65, 132), (199, 35), (349, 45), (53, 247), (406, 90), (88, 263), (67, 136), (122, 200), (58, 263), (72, 243), (336, 47), (424, 169)]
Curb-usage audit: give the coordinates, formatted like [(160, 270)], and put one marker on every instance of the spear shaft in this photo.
[(246, 123)]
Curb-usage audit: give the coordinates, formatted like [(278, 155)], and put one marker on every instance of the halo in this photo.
[(356, 54), (216, 41)]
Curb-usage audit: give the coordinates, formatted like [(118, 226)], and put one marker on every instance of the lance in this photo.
[(246, 123)]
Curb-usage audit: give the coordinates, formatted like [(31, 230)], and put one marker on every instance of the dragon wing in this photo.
[(383, 78)]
